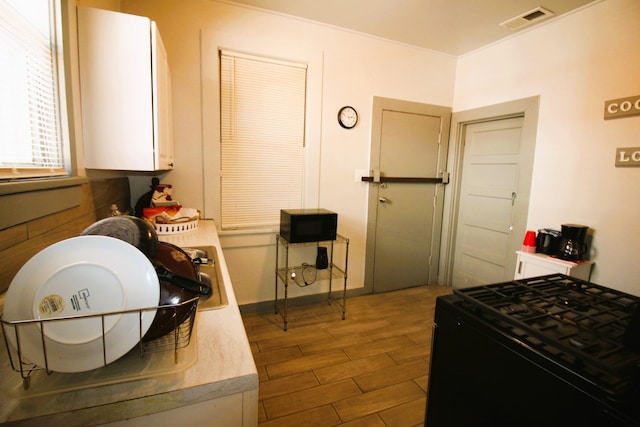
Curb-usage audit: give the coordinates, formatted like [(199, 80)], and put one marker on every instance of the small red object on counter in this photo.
[(529, 243)]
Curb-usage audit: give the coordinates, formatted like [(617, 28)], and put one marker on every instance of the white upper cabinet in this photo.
[(126, 92)]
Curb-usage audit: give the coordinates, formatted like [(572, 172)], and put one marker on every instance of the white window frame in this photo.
[(41, 111), (22, 198), (213, 40), (262, 135)]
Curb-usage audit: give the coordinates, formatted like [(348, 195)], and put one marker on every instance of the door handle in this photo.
[(383, 200)]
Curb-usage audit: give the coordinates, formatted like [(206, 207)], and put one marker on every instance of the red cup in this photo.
[(529, 243)]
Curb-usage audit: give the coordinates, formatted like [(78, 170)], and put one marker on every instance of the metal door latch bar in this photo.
[(403, 179)]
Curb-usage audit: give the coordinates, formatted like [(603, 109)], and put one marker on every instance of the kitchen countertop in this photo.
[(222, 365)]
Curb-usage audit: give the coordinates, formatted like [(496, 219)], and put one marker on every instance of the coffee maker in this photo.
[(572, 245)]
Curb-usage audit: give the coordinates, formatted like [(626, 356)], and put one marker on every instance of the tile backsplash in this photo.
[(20, 242)]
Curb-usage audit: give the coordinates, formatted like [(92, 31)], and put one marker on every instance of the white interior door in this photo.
[(493, 202), (405, 213)]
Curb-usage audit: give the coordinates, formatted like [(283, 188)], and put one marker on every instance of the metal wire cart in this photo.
[(305, 274)]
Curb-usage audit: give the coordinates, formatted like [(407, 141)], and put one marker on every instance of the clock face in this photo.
[(347, 117)]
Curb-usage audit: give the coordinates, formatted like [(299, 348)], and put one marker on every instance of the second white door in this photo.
[(492, 207)]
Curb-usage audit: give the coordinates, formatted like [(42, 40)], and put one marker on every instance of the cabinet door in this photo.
[(225, 411), (121, 127), (163, 125)]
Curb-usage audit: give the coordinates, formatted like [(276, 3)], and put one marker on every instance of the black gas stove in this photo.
[(562, 345), (580, 324)]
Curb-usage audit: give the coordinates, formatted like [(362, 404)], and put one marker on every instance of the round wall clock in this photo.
[(347, 117)]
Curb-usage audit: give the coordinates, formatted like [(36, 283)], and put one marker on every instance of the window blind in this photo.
[(262, 139), (30, 133)]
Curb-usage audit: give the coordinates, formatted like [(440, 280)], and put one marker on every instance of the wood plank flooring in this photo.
[(370, 369)]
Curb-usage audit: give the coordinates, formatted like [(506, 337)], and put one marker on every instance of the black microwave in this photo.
[(308, 225)]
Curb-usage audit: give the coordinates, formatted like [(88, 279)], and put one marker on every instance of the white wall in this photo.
[(347, 69), (574, 64)]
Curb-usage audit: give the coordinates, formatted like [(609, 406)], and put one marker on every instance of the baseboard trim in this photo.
[(267, 306)]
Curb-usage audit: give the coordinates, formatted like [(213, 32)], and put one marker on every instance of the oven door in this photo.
[(480, 377)]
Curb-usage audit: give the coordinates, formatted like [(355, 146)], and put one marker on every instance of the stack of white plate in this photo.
[(81, 276)]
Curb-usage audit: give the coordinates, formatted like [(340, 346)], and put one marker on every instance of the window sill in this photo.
[(27, 200), (243, 238), (245, 231), (13, 187)]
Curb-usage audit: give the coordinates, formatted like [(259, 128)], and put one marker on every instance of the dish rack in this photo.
[(178, 338)]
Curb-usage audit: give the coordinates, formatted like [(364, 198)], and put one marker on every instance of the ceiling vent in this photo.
[(527, 18)]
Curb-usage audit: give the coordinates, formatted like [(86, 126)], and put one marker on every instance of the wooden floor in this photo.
[(368, 370)]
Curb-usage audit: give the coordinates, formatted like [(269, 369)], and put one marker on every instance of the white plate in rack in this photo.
[(81, 276)]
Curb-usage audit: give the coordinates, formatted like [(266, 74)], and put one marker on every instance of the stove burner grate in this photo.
[(579, 322)]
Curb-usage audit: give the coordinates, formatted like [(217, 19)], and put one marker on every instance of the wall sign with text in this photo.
[(622, 107), (628, 156)]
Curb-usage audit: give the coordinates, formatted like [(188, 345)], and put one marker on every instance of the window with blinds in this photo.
[(262, 109), (31, 138)]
